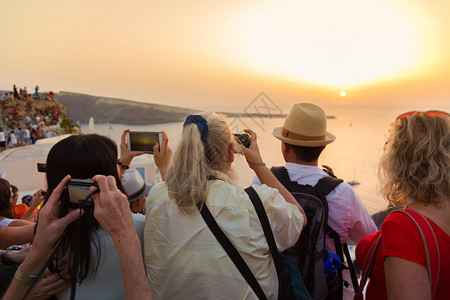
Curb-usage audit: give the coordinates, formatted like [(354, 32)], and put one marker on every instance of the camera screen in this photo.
[(78, 193), (143, 141), (41, 167)]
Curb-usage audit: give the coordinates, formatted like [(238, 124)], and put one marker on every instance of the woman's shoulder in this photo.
[(229, 194), (397, 218), (405, 218), (266, 193), (157, 191)]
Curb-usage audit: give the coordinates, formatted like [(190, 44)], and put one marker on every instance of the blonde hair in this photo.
[(415, 167), (196, 160)]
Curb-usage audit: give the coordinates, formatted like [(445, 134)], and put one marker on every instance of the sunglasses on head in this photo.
[(428, 112)]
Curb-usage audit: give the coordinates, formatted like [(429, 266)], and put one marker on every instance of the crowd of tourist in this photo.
[(127, 240), (23, 130), (23, 94)]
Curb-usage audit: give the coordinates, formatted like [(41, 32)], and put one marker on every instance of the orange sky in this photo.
[(221, 55)]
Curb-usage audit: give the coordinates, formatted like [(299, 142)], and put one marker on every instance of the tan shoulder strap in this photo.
[(419, 220)]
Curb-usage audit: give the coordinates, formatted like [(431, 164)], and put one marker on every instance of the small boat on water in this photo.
[(353, 182)]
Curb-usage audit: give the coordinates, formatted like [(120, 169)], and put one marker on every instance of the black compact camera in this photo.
[(79, 193), (243, 139), (26, 199)]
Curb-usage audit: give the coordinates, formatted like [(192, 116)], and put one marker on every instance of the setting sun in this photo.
[(343, 93), (310, 43)]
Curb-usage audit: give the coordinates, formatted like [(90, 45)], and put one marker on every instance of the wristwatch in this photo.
[(25, 278)]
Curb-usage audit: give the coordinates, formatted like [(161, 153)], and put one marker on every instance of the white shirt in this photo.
[(2, 136), (185, 261), (347, 215), (26, 133), (13, 139)]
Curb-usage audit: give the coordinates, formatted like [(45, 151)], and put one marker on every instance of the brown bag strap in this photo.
[(429, 241), (367, 266)]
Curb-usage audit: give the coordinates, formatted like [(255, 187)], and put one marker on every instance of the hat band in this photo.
[(294, 136), (137, 193)]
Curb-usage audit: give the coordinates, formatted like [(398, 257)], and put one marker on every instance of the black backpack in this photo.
[(309, 252)]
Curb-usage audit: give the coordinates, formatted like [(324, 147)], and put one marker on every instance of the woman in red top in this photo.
[(415, 170)]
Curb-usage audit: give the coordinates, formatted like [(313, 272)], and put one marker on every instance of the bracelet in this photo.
[(25, 278), (3, 257), (122, 165), (261, 164)]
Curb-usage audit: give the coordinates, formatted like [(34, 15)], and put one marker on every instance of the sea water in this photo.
[(360, 132)]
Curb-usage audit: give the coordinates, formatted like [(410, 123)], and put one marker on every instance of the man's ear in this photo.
[(284, 147)]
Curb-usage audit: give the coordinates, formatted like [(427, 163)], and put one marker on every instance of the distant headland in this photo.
[(81, 107)]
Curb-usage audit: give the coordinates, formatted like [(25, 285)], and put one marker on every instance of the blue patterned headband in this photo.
[(202, 125)]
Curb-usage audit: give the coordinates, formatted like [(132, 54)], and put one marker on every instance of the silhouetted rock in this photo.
[(109, 110)]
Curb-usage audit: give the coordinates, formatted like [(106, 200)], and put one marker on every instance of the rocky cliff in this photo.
[(81, 107)]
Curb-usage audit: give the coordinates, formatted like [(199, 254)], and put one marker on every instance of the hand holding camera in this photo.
[(162, 155), (243, 139), (112, 209), (50, 227), (126, 152), (80, 192), (251, 152)]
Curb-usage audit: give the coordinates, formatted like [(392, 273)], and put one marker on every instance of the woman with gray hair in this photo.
[(183, 258)]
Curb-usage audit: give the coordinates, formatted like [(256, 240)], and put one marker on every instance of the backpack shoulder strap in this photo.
[(327, 184), (264, 220), (281, 174), (286, 292)]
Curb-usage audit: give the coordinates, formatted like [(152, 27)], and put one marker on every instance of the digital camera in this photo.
[(143, 141), (78, 191), (243, 138)]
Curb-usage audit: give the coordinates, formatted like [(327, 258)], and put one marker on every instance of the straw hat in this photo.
[(306, 125), (134, 185)]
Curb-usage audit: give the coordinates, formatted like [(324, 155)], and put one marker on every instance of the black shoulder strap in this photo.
[(327, 184), (281, 174), (284, 291), (351, 267), (231, 251), (266, 227)]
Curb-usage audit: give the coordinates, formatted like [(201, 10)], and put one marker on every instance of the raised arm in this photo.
[(126, 155), (163, 157), (36, 200), (113, 213), (265, 176)]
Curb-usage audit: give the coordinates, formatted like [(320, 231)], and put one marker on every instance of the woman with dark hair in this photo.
[(5, 200), (6, 207), (89, 250), (109, 204)]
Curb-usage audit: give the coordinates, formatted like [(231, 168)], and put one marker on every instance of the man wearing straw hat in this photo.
[(303, 138)]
